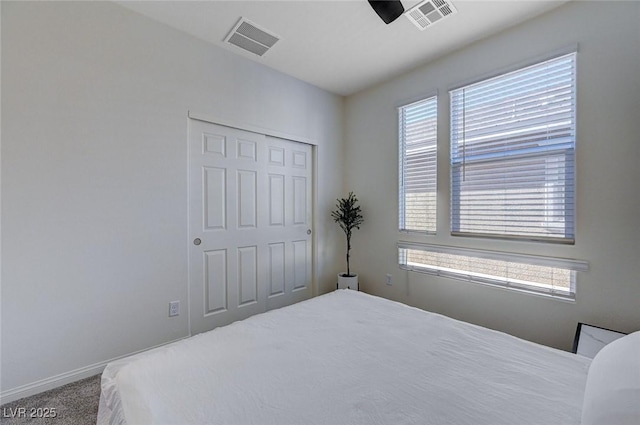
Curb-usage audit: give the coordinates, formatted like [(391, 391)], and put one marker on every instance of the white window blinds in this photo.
[(529, 273), (417, 154), (513, 154)]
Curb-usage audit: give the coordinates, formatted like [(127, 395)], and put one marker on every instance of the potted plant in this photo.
[(349, 217)]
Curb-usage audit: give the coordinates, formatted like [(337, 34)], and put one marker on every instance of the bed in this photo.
[(346, 358)]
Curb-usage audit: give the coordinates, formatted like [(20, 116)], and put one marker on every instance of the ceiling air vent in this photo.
[(248, 36), (430, 12)]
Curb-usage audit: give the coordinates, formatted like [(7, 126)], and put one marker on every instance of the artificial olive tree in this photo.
[(349, 217)]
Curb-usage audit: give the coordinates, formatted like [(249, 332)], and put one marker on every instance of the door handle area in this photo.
[(308, 231), (197, 241)]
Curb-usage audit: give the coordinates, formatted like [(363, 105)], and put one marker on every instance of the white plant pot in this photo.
[(348, 282)]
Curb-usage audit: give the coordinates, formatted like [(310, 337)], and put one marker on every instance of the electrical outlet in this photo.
[(174, 308), (389, 279)]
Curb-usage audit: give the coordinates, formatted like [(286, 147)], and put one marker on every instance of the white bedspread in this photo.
[(347, 358)]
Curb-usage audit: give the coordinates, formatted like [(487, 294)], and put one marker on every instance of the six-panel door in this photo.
[(250, 208)]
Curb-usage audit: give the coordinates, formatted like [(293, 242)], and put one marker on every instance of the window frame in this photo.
[(472, 276), (431, 105), (565, 150)]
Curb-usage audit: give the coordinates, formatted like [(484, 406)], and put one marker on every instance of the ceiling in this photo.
[(341, 46)]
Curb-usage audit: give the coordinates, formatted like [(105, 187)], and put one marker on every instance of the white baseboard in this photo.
[(65, 378)]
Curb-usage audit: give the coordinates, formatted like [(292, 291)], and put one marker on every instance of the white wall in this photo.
[(94, 178), (608, 200)]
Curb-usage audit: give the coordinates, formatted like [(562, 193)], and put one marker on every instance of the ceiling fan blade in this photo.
[(388, 11)]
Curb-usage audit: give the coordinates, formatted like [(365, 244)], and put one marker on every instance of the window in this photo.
[(534, 274), (513, 154), (417, 154)]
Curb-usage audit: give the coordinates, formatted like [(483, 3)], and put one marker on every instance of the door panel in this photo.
[(276, 269), (215, 181), (250, 207), (247, 199), (248, 274), (215, 279)]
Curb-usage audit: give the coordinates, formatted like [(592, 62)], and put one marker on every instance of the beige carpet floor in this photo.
[(74, 404)]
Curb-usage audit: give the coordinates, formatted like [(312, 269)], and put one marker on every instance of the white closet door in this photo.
[(250, 221), (289, 199)]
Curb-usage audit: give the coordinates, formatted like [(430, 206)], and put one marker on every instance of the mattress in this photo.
[(346, 358)]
